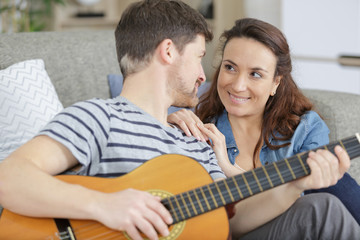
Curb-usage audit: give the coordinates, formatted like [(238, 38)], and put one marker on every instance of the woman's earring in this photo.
[(273, 93)]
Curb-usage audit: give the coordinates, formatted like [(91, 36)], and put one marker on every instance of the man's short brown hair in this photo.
[(145, 24)]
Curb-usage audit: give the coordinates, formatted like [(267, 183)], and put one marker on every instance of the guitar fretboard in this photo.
[(209, 197)]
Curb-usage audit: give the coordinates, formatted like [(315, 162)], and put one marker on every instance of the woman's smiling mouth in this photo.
[(237, 99)]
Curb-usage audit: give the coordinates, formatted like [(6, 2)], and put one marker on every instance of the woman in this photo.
[(254, 101)]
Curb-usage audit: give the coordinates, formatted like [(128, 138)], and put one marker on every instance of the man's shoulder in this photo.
[(103, 105)]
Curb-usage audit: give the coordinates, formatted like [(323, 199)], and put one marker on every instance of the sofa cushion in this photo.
[(115, 84), (27, 102)]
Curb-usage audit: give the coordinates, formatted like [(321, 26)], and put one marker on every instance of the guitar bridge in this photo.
[(65, 230)]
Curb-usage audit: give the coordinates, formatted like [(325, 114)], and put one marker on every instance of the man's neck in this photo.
[(148, 93)]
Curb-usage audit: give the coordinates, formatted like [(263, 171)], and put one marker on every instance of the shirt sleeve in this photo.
[(83, 128), (215, 171)]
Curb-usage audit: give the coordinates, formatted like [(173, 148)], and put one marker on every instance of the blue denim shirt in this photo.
[(311, 133)]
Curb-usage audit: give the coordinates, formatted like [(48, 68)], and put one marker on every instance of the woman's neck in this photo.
[(246, 125), (247, 132)]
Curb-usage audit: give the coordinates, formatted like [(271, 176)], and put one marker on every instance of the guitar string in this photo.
[(355, 150), (252, 185), (255, 185), (115, 235), (86, 228), (352, 150), (202, 201), (217, 195)]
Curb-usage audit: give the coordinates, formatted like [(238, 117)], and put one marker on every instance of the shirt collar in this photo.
[(223, 124)]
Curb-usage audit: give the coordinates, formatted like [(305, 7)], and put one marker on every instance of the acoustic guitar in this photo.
[(196, 203)]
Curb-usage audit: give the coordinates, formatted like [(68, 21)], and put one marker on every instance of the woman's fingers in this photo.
[(344, 160), (187, 121), (326, 168)]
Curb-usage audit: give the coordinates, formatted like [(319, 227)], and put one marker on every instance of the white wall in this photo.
[(266, 10), (319, 32)]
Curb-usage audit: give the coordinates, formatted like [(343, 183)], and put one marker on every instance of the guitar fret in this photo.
[(228, 190), (302, 164), (237, 187), (217, 194), (273, 175), (206, 201), (287, 171), (172, 209), (290, 168), (198, 201), (185, 205), (192, 203), (201, 200), (189, 204), (300, 170), (242, 185), (212, 196), (263, 180), (247, 184), (342, 144), (220, 193), (278, 172), (178, 205), (234, 190), (267, 176), (257, 180)]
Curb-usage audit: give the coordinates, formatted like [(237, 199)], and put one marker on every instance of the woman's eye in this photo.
[(228, 67), (256, 75)]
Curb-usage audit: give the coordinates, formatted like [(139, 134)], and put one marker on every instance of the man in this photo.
[(160, 45)]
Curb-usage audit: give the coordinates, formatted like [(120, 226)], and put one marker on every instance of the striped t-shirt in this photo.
[(112, 137)]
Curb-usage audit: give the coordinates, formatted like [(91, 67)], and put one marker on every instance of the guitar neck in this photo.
[(209, 197)]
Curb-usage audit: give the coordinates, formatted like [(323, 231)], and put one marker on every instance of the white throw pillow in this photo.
[(28, 100)]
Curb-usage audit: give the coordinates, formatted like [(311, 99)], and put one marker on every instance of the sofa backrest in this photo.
[(341, 111), (77, 62)]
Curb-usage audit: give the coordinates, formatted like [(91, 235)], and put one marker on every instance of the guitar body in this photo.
[(164, 175), (186, 189)]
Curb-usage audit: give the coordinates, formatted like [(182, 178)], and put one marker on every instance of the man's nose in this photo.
[(202, 76)]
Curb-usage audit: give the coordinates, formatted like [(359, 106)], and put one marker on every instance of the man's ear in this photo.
[(167, 50)]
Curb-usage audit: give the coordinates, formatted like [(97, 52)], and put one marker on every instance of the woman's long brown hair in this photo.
[(284, 109)]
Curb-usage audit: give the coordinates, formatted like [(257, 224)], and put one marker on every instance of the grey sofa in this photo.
[(78, 64)]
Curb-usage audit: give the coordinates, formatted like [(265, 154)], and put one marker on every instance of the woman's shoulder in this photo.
[(311, 116), (312, 119), (312, 126)]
